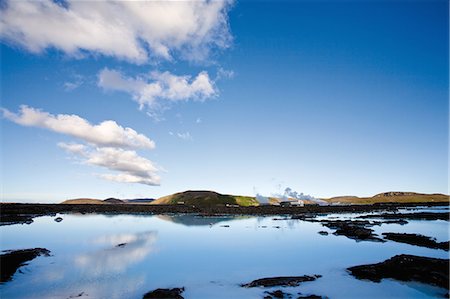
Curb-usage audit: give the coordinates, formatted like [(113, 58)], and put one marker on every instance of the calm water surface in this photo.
[(205, 256)]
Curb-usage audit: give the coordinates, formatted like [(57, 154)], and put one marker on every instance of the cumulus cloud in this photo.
[(74, 148), (107, 133), (154, 88), (132, 168), (107, 144), (135, 31)]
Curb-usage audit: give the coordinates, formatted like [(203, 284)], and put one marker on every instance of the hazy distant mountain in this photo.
[(110, 200), (113, 200), (392, 196)]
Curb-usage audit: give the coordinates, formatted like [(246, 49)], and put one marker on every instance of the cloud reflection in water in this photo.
[(133, 248)]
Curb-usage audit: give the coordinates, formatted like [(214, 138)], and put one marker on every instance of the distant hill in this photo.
[(113, 201), (83, 201), (392, 196), (211, 198), (110, 200), (206, 198)]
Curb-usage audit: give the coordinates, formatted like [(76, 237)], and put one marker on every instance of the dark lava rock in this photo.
[(174, 293), (407, 267), (15, 219), (310, 297), (306, 216), (323, 233), (355, 230), (59, 219), (11, 260), (395, 221), (286, 281), (335, 224), (418, 240), (357, 233), (277, 294), (78, 295)]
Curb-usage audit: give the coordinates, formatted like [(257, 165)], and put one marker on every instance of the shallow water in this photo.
[(203, 255)]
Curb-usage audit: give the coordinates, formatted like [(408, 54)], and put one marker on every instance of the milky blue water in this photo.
[(205, 256)]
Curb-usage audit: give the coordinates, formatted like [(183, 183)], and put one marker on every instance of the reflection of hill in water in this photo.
[(195, 220)]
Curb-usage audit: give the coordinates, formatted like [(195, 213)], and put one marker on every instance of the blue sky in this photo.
[(328, 98)]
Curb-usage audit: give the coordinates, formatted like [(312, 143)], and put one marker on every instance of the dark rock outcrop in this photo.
[(404, 267), (358, 233), (355, 230), (310, 297), (277, 294), (418, 240), (286, 281), (12, 260), (174, 293)]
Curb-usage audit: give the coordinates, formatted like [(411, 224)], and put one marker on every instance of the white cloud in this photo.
[(107, 133), (198, 120), (69, 86), (132, 168), (74, 84), (106, 144), (74, 148), (130, 30), (185, 136), (149, 90), (222, 73)]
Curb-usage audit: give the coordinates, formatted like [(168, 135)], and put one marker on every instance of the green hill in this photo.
[(205, 198)]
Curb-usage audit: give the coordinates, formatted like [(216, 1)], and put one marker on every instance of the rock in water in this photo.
[(174, 293), (287, 281), (12, 260), (405, 267), (416, 239), (277, 294)]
